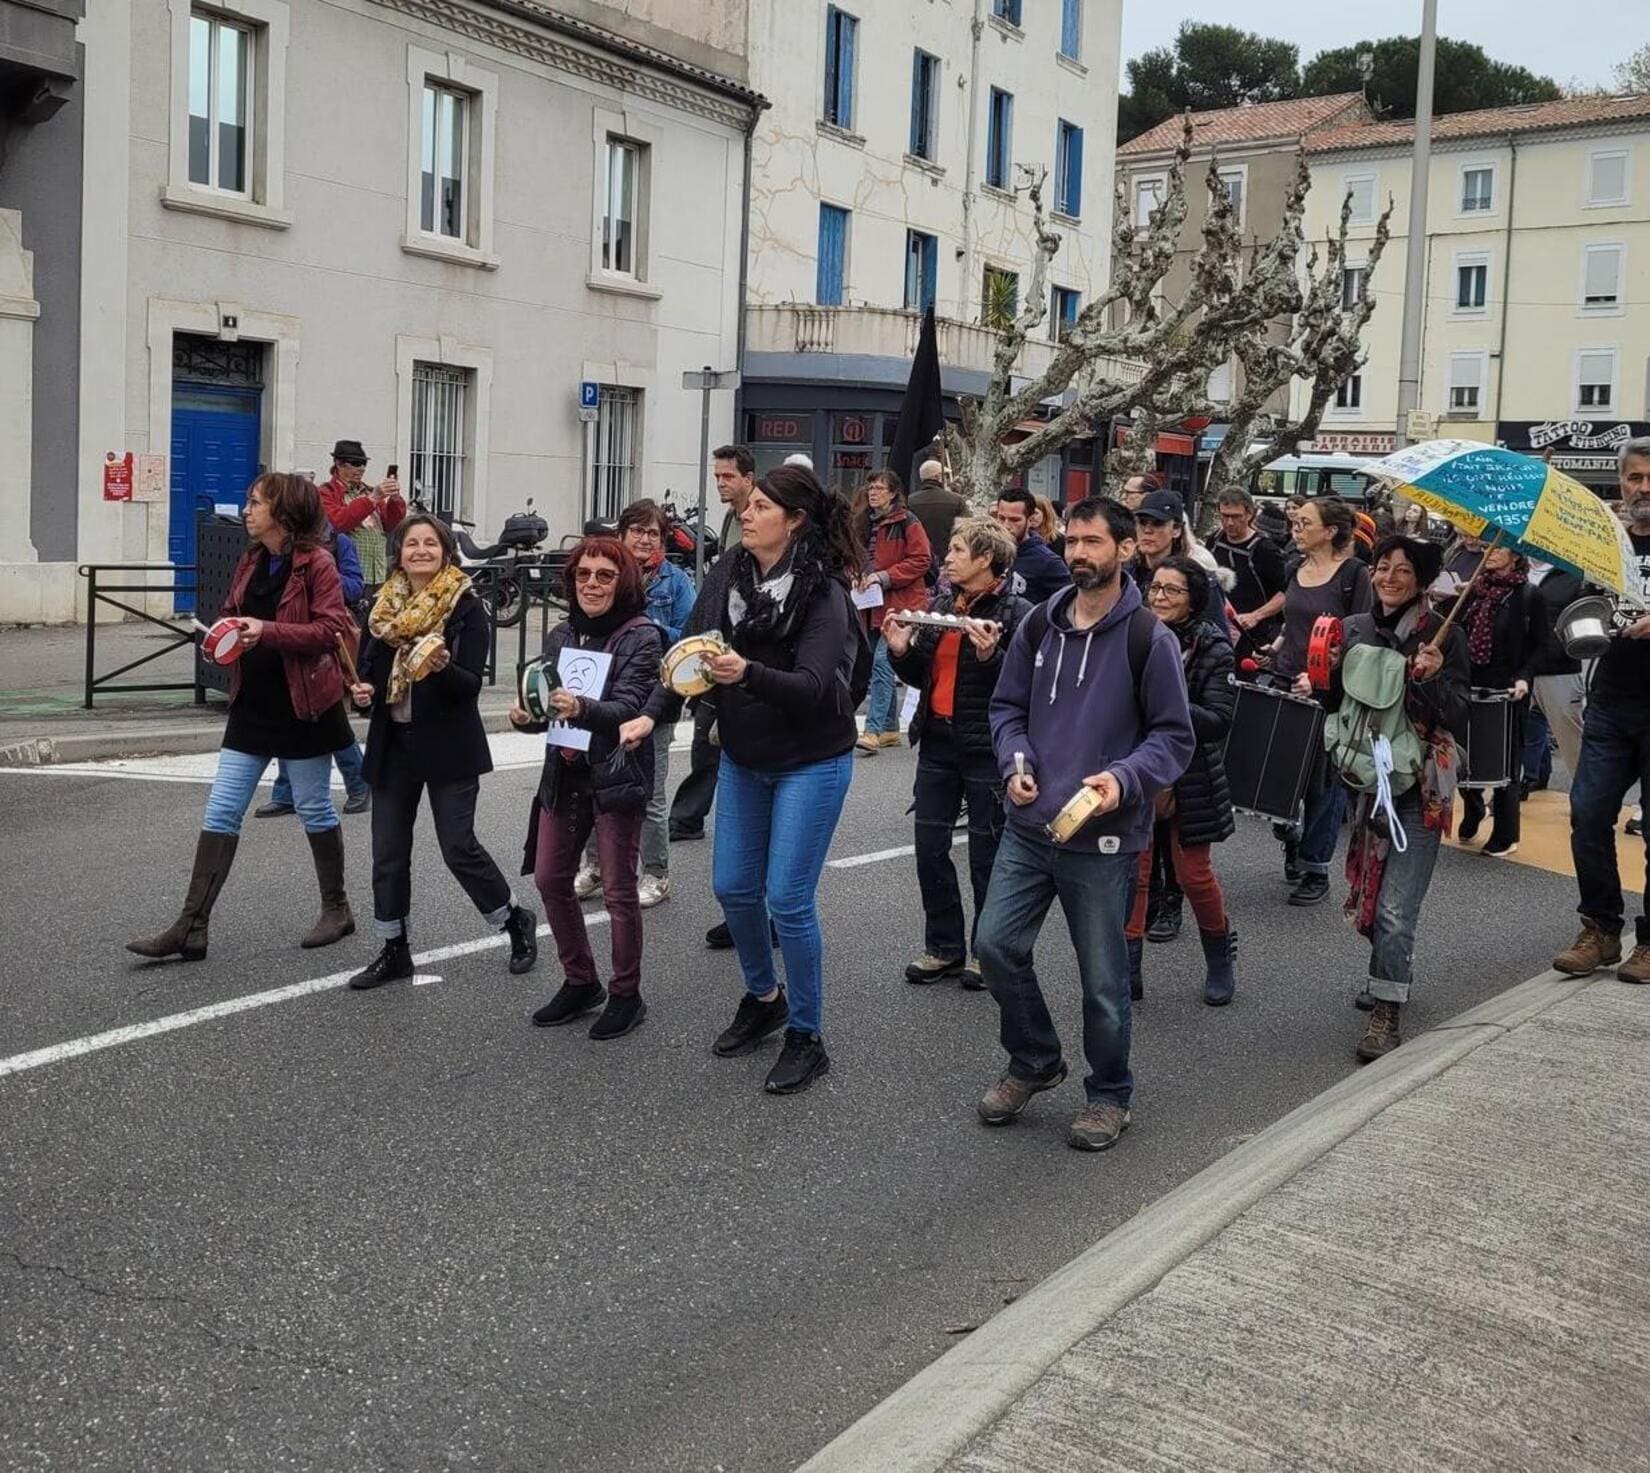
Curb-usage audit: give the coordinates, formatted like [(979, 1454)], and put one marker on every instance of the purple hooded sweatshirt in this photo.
[(1069, 706)]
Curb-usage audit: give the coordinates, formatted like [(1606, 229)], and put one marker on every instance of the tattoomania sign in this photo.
[(1575, 446)]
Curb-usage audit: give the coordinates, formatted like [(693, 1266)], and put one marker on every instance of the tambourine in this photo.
[(1077, 812), (683, 667), (538, 679), (222, 643), (1323, 649), (422, 653)]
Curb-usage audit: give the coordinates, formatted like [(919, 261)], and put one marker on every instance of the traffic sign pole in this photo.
[(705, 380)]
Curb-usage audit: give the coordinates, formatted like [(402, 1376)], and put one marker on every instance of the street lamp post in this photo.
[(705, 380), (1415, 265)]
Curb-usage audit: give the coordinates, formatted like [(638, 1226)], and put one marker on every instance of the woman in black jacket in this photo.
[(426, 735), (608, 649), (956, 672), (1199, 806), (1505, 625)]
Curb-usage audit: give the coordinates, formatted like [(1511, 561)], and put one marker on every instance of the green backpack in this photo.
[(1372, 706)]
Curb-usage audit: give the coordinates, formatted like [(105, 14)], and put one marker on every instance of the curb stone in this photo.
[(933, 1417)]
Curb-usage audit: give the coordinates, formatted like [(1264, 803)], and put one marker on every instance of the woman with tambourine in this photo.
[(421, 673), (280, 628), (609, 649), (1330, 584)]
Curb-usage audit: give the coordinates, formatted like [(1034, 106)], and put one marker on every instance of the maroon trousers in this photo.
[(563, 833)]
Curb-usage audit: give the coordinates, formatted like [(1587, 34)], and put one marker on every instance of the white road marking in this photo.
[(420, 979), (854, 861)]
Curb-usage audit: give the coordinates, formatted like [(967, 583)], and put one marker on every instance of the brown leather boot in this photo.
[(335, 921), (1637, 967), (186, 937), (1593, 948), (1383, 1033)]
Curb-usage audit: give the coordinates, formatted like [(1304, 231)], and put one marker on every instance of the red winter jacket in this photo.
[(900, 559), (308, 620), (346, 513)]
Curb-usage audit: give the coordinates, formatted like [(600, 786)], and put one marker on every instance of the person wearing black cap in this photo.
[(347, 506)]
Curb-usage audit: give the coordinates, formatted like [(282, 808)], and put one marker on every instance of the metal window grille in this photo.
[(440, 398), (618, 448)]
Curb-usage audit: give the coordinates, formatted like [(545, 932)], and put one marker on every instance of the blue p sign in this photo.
[(590, 395)]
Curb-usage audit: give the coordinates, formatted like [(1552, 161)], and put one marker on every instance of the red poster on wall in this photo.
[(117, 476)]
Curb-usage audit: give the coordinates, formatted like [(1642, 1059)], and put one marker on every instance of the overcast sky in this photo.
[(1581, 43)]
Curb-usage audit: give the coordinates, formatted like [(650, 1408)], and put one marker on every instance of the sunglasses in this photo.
[(596, 575)]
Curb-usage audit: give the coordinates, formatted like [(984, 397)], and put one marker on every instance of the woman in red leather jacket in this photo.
[(286, 699)]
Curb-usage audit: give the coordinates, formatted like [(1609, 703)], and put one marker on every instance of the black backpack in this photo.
[(1142, 625)]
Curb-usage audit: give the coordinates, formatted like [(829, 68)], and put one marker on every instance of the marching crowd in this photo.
[(1076, 684)]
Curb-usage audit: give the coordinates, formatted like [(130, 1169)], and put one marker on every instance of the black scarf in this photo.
[(268, 579), (770, 609), (587, 630)]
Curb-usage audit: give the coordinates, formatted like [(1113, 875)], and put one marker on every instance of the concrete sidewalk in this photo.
[(1442, 1263)]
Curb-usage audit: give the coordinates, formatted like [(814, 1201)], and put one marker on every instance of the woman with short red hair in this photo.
[(591, 783)]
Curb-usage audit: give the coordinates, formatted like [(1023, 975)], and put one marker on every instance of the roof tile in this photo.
[(1530, 117), (1258, 122)]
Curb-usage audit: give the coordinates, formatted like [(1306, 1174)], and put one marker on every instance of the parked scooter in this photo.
[(495, 565)]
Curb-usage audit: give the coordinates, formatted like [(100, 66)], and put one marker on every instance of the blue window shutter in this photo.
[(850, 29), (833, 232), (833, 31), (1008, 140), (930, 271), (1074, 170), (1071, 28), (917, 104)]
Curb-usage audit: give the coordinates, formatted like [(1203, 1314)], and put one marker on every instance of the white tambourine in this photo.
[(683, 668), (222, 644)]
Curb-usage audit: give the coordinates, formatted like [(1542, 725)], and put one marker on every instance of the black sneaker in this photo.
[(359, 802), (1167, 925), (801, 1061), (272, 809), (390, 965), (1310, 891), (752, 1022), (619, 1017), (570, 1002), (720, 938), (523, 927)]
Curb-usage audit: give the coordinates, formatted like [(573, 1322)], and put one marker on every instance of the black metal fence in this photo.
[(103, 582)]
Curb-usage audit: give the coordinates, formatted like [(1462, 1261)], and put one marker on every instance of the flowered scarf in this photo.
[(1488, 594), (401, 617)]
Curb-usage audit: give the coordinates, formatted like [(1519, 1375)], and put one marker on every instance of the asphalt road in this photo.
[(404, 1230)]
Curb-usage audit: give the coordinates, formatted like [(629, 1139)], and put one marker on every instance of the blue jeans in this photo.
[(1404, 885), (773, 831), (349, 768), (1093, 891), (236, 784), (1615, 754), (881, 708), (1538, 746), (1321, 827)]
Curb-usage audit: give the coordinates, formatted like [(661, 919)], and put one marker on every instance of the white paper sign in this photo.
[(868, 598), (583, 673)]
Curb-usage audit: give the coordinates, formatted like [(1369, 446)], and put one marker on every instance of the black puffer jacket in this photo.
[(976, 678), (1202, 800), (620, 782)]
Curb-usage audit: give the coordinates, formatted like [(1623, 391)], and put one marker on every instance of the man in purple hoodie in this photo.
[(1091, 694)]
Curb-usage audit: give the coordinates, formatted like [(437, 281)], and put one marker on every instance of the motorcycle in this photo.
[(495, 565), (681, 534)]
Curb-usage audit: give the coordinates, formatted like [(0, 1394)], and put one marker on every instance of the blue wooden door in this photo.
[(215, 439)]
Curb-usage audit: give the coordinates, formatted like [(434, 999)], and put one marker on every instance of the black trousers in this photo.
[(946, 777), (395, 798), (697, 791)]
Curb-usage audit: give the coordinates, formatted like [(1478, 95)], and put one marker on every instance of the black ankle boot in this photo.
[(390, 965), (523, 927)]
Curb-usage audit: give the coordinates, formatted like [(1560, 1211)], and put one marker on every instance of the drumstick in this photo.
[(349, 664), (1437, 640)]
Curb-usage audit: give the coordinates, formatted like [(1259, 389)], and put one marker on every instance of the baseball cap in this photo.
[(1161, 506)]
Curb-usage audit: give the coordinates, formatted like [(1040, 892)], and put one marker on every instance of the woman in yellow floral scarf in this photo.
[(426, 734)]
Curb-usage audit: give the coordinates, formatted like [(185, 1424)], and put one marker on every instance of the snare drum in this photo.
[(1272, 750), (1490, 754), (1079, 809), (538, 679), (222, 643), (422, 653), (683, 667)]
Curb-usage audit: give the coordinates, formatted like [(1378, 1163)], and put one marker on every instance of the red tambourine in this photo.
[(1323, 650), (222, 643)]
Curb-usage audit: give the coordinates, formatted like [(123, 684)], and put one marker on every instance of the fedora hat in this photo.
[(349, 450)]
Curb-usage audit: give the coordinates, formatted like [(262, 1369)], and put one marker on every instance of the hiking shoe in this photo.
[(570, 1002), (1383, 1033), (588, 881), (622, 1015), (1637, 967), (651, 890), (868, 745), (971, 979), (1097, 1127), (888, 739), (929, 968), (753, 1020), (1593, 948), (1010, 1095), (802, 1060), (1310, 891)]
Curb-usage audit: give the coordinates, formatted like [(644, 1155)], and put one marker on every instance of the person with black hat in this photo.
[(352, 509)]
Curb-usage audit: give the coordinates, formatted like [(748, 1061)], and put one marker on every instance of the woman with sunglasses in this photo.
[(1196, 813), (592, 783)]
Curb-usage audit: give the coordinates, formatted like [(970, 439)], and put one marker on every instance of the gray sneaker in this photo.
[(1098, 1127), (1008, 1096)]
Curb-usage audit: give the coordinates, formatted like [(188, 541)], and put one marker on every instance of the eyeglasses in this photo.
[(1162, 591), (359, 465), (643, 534), (603, 576)]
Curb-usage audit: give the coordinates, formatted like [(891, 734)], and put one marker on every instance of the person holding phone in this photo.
[(426, 736)]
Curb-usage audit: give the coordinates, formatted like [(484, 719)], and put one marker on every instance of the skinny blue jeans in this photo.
[(881, 704), (349, 761), (773, 831), (236, 784)]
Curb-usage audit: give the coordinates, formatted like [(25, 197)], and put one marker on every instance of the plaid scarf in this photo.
[(400, 617), (1488, 594)]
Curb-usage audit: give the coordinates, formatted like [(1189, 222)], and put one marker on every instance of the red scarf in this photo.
[(1488, 594)]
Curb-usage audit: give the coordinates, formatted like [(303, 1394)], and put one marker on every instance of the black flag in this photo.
[(921, 416)]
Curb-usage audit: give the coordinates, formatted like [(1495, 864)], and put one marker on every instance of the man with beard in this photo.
[(1091, 695), (1615, 754)]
